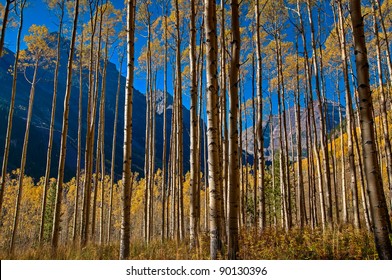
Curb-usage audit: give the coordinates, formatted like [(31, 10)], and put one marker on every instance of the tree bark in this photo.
[(64, 134), (260, 136), (378, 208), (213, 128), (126, 193), (234, 183)]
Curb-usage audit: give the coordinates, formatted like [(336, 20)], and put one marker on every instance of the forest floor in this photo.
[(345, 243)]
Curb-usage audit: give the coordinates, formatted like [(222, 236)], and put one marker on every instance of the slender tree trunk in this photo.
[(52, 119), (102, 142), (260, 136), (23, 159), (223, 117), (385, 35), (164, 186), (323, 138), (113, 161), (282, 169), (213, 125), (93, 124), (272, 147), (234, 183), (79, 148), (85, 219), (11, 109), (349, 118), (383, 95), (179, 123), (255, 165), (300, 181), (148, 133), (378, 209), (126, 173), (64, 134), (193, 126), (343, 166), (308, 74)]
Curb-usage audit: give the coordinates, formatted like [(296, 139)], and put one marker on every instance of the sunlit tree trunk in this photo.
[(79, 148), (349, 118), (386, 39), (300, 180), (379, 211), (311, 120), (102, 142), (381, 222), (212, 127), (260, 136), (179, 130), (126, 173), (88, 165), (113, 160), (272, 148), (164, 188), (193, 127), (383, 109), (323, 138), (52, 119), (64, 134), (223, 131), (282, 169)]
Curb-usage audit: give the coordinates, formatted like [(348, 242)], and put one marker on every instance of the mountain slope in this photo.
[(332, 113), (37, 149)]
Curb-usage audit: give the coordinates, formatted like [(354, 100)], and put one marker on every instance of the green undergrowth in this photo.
[(345, 243)]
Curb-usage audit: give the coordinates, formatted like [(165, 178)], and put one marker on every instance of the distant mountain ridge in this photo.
[(332, 121), (39, 134)]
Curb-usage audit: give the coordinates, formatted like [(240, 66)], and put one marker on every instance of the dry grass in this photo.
[(345, 243), (342, 244)]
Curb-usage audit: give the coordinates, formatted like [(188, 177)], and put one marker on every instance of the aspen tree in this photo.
[(323, 138), (38, 54), (193, 125), (260, 136), (85, 219), (164, 171), (64, 134), (126, 193), (349, 117), (79, 148), (383, 103), (378, 209), (179, 129), (212, 127), (113, 160), (234, 184), (61, 5)]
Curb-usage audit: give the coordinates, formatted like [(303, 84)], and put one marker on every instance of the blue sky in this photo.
[(37, 13)]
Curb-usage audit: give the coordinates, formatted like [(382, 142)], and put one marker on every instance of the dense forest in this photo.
[(263, 131)]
